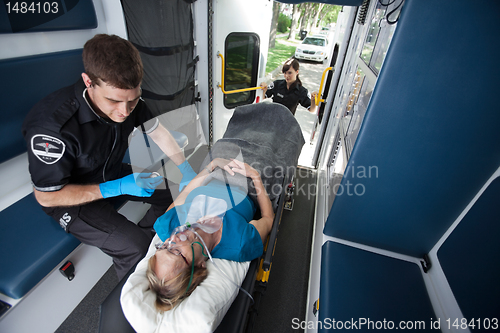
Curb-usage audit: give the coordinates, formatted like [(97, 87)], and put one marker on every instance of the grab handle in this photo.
[(221, 86), (318, 99)]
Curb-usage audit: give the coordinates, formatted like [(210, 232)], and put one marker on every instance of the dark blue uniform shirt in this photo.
[(289, 98), (69, 143)]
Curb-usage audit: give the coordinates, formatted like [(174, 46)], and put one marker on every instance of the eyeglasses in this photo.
[(174, 249), (183, 235), (173, 245), (182, 256)]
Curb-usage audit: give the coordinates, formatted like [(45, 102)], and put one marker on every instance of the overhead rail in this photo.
[(221, 86)]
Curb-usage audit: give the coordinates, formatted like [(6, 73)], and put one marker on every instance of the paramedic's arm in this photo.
[(265, 223), (264, 89), (137, 184), (162, 137), (69, 195), (312, 109)]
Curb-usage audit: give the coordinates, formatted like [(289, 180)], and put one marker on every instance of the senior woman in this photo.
[(178, 267)]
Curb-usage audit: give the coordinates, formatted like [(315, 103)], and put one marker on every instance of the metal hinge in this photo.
[(426, 263)]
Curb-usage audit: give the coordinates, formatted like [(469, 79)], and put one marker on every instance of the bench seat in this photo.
[(357, 284), (470, 255), (32, 245)]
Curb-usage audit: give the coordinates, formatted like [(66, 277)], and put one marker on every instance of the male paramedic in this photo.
[(77, 138)]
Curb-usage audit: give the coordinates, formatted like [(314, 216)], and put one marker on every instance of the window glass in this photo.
[(377, 40), (241, 67), (372, 35), (385, 37), (314, 41), (358, 113), (351, 120)]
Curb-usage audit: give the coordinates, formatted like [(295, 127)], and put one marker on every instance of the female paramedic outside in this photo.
[(178, 265), (290, 91)]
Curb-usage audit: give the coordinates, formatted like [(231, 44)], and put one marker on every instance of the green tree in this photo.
[(310, 16), (306, 15), (274, 24), (329, 14), (318, 7), (295, 21), (283, 23)]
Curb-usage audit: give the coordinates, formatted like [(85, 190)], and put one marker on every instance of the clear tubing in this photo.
[(213, 262)]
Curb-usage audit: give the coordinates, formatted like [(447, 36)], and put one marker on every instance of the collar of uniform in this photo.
[(85, 113), (295, 86)]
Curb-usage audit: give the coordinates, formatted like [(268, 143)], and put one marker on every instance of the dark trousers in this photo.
[(99, 224)]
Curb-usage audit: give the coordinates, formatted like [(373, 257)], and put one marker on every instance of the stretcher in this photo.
[(132, 292), (240, 314)]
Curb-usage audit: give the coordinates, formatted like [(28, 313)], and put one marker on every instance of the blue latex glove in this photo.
[(136, 184), (187, 174)]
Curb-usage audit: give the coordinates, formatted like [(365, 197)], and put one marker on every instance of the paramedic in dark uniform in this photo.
[(77, 138), (290, 91)]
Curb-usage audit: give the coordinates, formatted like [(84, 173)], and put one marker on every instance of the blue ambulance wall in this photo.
[(432, 129)]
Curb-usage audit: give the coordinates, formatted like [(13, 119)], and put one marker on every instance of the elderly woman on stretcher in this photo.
[(212, 220)]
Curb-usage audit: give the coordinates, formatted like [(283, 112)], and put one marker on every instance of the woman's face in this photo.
[(169, 265), (291, 75)]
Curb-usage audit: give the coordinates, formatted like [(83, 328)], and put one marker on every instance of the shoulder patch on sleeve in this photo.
[(271, 85), (46, 148)]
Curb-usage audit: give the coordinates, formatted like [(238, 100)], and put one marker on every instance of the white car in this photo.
[(313, 48)]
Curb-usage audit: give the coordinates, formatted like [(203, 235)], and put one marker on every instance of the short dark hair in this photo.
[(113, 60)]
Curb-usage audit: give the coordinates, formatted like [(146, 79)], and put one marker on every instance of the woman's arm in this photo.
[(312, 109), (199, 179), (265, 223)]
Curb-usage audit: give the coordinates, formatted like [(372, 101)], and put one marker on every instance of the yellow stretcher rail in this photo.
[(263, 275), (221, 86), (318, 99)]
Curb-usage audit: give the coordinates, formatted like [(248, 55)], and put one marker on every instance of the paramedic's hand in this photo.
[(314, 98), (136, 184), (187, 174), (263, 85)]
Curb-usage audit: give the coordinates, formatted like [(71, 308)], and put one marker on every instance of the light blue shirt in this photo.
[(240, 241)]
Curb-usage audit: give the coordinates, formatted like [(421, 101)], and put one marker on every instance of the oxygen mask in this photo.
[(206, 213)]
